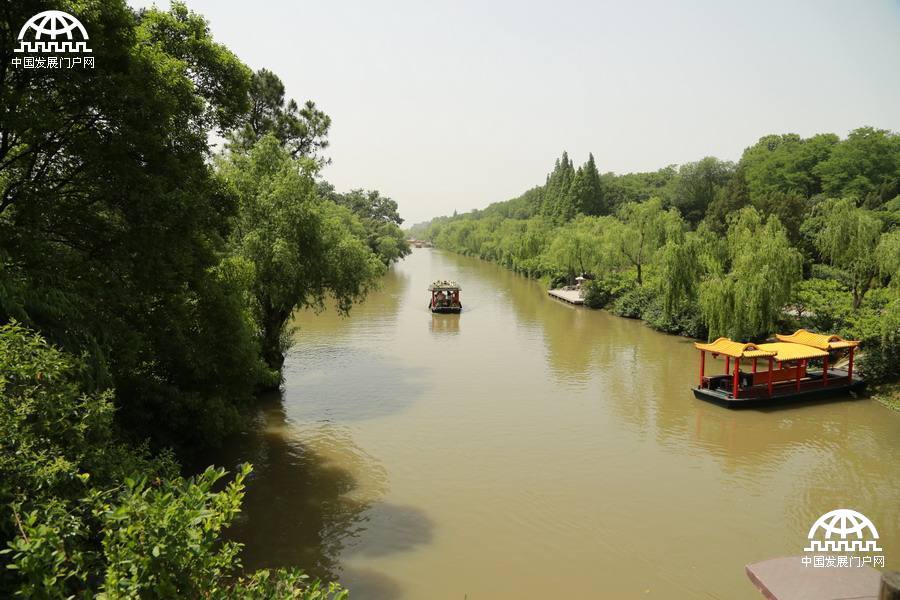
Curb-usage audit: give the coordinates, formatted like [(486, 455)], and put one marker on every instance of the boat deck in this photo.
[(810, 387), (570, 296)]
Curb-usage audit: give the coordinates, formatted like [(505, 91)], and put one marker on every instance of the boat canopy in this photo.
[(734, 349), (817, 340), (788, 351), (444, 285), (801, 345)]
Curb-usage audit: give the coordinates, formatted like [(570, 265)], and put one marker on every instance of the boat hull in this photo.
[(723, 398), (446, 309)]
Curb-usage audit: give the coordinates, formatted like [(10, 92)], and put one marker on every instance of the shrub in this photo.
[(558, 281), (605, 289), (878, 328), (686, 320), (633, 303), (820, 304), (84, 514)]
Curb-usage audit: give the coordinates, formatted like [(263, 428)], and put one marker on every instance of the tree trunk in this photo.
[(273, 326), (859, 292), (640, 279)]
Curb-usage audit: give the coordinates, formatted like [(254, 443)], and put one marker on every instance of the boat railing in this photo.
[(755, 385)]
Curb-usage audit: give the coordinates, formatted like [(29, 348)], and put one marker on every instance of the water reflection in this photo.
[(444, 323), (377, 313)]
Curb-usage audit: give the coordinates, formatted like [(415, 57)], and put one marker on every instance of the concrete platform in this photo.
[(570, 296), (788, 579)]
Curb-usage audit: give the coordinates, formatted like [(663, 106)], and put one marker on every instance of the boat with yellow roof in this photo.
[(786, 375)]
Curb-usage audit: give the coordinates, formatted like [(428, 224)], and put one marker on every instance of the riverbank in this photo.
[(887, 394)]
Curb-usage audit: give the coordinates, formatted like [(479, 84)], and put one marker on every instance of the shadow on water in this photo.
[(400, 528), (313, 498), (338, 383), (371, 585)]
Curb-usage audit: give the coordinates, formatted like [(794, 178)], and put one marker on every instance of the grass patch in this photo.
[(888, 394)]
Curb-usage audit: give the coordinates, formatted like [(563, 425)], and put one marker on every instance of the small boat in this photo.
[(444, 297), (786, 377)]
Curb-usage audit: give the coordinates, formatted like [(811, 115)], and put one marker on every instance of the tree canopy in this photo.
[(299, 248), (145, 287), (642, 231), (302, 131)]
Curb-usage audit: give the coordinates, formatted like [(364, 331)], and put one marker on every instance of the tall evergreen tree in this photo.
[(557, 204), (586, 193), (303, 131)]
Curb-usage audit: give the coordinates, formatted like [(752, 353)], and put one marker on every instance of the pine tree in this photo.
[(557, 202), (586, 192)]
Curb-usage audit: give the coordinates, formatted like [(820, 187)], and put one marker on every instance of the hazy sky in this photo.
[(454, 105)]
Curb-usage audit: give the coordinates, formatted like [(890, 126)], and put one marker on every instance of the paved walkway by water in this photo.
[(788, 579), (570, 296)]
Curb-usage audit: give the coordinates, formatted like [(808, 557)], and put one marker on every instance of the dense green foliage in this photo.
[(378, 215), (86, 514), (163, 279), (296, 246), (799, 232)]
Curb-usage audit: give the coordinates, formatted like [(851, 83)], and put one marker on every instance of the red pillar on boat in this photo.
[(799, 368), (734, 381), (727, 365), (770, 376), (754, 364), (702, 366), (825, 371), (850, 367)]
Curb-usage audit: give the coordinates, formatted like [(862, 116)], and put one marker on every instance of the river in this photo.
[(530, 449)]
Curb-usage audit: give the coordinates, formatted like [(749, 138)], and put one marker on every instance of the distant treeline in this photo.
[(799, 232)]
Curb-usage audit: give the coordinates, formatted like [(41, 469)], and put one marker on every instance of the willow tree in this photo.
[(888, 255), (744, 295), (683, 264), (848, 239), (643, 230), (300, 248), (580, 245)]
